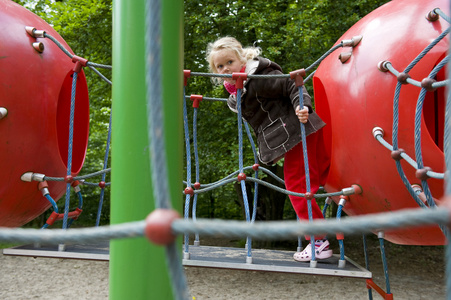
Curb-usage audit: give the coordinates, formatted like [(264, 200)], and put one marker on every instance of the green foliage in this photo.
[(293, 33)]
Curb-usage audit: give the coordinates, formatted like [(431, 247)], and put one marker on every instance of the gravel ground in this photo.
[(416, 272)]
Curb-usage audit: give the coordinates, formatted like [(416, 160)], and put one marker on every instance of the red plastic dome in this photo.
[(355, 96), (36, 94)]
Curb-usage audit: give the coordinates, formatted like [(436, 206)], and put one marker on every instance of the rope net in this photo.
[(248, 229)]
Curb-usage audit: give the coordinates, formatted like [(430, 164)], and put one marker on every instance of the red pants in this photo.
[(294, 173)]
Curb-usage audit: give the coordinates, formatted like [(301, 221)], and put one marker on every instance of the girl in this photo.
[(271, 107)]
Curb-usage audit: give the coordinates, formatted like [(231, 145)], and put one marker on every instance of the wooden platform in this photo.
[(211, 257)]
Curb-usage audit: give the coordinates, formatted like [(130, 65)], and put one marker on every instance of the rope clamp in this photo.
[(80, 62), (377, 131), (34, 32), (382, 66), (343, 200), (43, 187), (240, 78), (30, 176), (298, 77), (328, 200), (432, 16), (196, 100), (354, 41), (186, 75)]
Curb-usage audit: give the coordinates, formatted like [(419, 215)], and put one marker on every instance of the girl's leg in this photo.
[(294, 174)]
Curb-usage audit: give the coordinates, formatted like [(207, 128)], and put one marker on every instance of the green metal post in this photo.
[(137, 268)]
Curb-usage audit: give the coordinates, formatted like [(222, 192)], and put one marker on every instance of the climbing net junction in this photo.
[(164, 224)]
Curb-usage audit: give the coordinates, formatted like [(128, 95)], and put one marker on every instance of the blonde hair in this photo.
[(229, 43)]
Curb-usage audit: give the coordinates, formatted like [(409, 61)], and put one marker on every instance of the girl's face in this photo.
[(226, 62)]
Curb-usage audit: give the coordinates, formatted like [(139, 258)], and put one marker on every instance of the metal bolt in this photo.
[(3, 112), (344, 56), (38, 46)]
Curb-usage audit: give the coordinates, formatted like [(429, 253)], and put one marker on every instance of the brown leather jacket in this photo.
[(268, 105)]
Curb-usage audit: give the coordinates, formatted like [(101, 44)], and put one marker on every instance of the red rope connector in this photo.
[(241, 176), (44, 188), (371, 285), (186, 75), (240, 78), (298, 77), (422, 174), (43, 185), (158, 226), (69, 179), (343, 200), (80, 62), (196, 100), (56, 216), (102, 184), (427, 84), (396, 154), (402, 77), (308, 196), (75, 183), (189, 191), (52, 218), (255, 167), (197, 185)]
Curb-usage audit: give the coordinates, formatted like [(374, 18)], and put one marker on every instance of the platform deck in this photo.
[(210, 257)]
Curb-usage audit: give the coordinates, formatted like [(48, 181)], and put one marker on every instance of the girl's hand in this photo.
[(302, 114)]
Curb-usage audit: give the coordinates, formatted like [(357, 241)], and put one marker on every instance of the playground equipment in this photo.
[(355, 98), (133, 264), (35, 114)]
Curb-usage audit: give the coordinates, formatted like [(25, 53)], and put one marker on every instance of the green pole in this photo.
[(138, 269)]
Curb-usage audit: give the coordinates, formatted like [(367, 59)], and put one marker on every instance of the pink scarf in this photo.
[(231, 88)]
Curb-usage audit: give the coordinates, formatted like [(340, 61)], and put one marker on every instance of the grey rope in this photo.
[(49, 178), (276, 230), (100, 74), (408, 159)]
